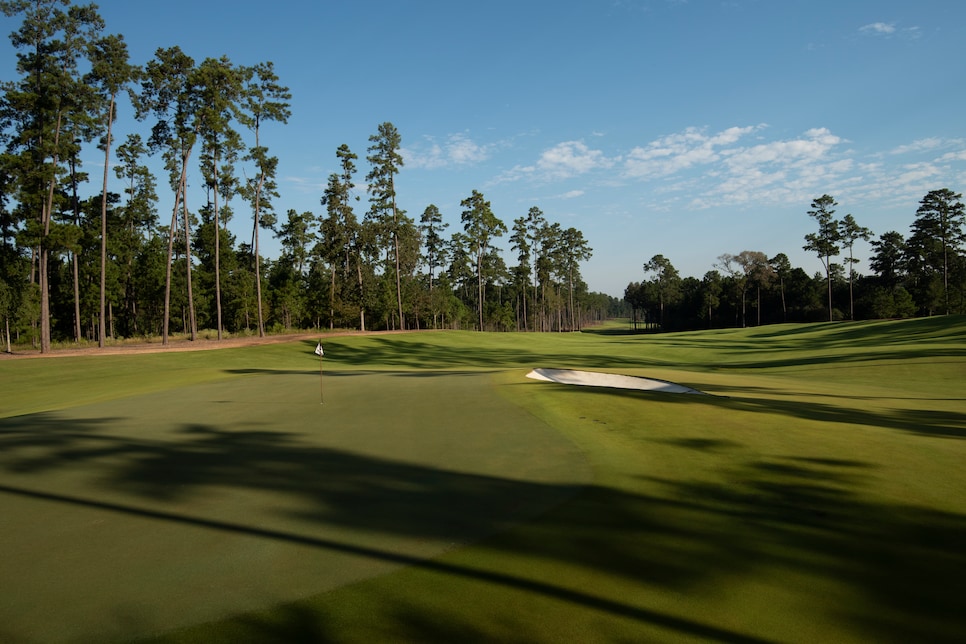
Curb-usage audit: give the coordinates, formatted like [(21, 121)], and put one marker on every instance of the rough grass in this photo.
[(818, 495)]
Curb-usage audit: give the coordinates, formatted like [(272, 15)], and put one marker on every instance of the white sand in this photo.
[(598, 379)]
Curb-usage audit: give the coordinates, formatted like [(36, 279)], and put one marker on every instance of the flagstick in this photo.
[(321, 390)]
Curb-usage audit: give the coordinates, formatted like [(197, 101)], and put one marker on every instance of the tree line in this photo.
[(82, 264), (919, 274)]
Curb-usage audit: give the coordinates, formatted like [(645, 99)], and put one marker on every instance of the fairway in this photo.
[(817, 493), (156, 511)]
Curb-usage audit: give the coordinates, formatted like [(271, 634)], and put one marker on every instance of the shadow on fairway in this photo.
[(329, 486), (904, 567), (806, 346), (901, 567), (612, 332), (836, 357), (806, 514), (157, 480), (386, 353), (924, 422), (946, 328)]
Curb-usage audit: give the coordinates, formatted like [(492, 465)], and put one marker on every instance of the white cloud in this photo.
[(789, 171), (462, 150), (573, 194), (912, 32), (889, 29), (740, 166), (562, 161), (891, 185), (708, 168), (784, 171), (815, 144), (918, 146), (457, 150), (569, 159), (953, 156), (917, 172), (675, 152), (305, 184), (878, 28)]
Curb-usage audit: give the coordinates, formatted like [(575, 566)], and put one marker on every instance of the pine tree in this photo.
[(852, 232), (825, 243), (264, 100), (167, 93), (480, 226), (110, 74), (341, 236), (219, 85), (386, 162), (432, 225), (52, 41), (939, 232)]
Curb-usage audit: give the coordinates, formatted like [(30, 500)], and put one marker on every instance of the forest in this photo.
[(84, 264), (919, 274)]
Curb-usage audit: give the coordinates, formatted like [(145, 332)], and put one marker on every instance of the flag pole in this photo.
[(320, 353)]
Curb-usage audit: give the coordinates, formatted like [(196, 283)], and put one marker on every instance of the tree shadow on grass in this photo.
[(901, 568), (320, 488), (785, 359), (897, 571), (418, 354), (327, 486), (388, 353), (906, 563), (614, 332), (924, 422)]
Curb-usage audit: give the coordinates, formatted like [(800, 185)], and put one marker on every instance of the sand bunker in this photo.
[(598, 379)]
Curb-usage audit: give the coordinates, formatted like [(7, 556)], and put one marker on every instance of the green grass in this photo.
[(819, 493)]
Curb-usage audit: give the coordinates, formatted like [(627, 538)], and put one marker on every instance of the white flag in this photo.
[(318, 350)]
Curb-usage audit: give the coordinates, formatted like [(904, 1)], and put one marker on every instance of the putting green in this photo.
[(140, 515)]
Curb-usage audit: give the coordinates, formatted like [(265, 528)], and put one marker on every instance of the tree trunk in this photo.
[(171, 233), (258, 262), (851, 297), (187, 245), (828, 275), (395, 243), (758, 303), (784, 309), (479, 286), (44, 302), (362, 304), (102, 328), (744, 298), (332, 298), (526, 324), (573, 319), (76, 270), (214, 168), (46, 214), (167, 279), (945, 267)]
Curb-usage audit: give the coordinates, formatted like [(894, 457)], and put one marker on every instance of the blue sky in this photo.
[(685, 128)]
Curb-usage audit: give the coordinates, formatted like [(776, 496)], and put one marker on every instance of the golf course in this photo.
[(419, 487)]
